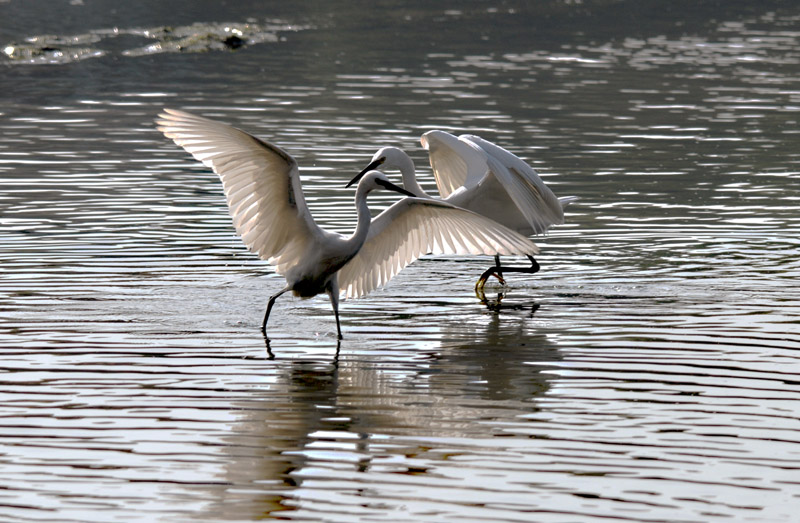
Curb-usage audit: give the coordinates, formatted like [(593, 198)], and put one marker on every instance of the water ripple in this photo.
[(647, 373)]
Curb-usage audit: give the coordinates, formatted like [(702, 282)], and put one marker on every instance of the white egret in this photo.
[(478, 175), (262, 186)]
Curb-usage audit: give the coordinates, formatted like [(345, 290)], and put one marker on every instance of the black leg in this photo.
[(333, 294), (336, 355), (270, 354), (497, 271), (534, 268), (269, 308)]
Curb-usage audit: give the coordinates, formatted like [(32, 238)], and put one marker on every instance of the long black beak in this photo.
[(393, 187), (372, 166)]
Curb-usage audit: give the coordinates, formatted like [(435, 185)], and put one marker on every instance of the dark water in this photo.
[(649, 372)]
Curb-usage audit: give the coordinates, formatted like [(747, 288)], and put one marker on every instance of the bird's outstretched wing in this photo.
[(413, 227), (261, 183), (534, 199), (455, 162)]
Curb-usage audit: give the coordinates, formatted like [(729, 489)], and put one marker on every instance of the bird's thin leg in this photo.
[(534, 265), (336, 355), (333, 294), (270, 354), (496, 271), (534, 268), (499, 272), (269, 308)]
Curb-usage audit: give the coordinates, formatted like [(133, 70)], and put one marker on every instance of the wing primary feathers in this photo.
[(260, 180)]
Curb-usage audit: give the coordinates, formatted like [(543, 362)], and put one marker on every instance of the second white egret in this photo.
[(478, 175)]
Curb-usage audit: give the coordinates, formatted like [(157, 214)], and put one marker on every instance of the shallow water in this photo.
[(647, 373)]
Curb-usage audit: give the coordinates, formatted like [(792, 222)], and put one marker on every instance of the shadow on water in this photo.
[(496, 304), (321, 422)]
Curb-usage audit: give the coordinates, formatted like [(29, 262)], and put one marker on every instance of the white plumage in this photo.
[(262, 186), (413, 227), (480, 176)]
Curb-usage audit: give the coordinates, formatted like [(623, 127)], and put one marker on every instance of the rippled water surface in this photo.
[(649, 372)]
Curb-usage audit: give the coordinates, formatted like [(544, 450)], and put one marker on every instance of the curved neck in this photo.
[(410, 183), (398, 158), (359, 236)]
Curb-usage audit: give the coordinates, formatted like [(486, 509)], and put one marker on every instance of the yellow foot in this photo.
[(491, 271), (479, 290), (481, 283), (492, 305)]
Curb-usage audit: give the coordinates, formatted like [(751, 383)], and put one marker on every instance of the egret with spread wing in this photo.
[(262, 186), (478, 175)]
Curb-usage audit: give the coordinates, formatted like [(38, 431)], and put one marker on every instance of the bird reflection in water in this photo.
[(496, 305), (271, 354), (353, 416)]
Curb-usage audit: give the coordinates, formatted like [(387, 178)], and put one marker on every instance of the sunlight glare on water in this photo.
[(647, 373)]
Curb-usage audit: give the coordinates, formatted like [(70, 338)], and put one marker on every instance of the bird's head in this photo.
[(373, 180), (386, 158)]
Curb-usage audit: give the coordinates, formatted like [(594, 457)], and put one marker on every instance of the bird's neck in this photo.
[(410, 182), (359, 236), (408, 172)]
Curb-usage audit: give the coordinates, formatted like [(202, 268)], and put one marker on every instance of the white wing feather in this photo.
[(261, 183), (534, 199), (455, 162), (413, 227)]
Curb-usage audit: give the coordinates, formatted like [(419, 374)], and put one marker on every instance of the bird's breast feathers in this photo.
[(313, 279)]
